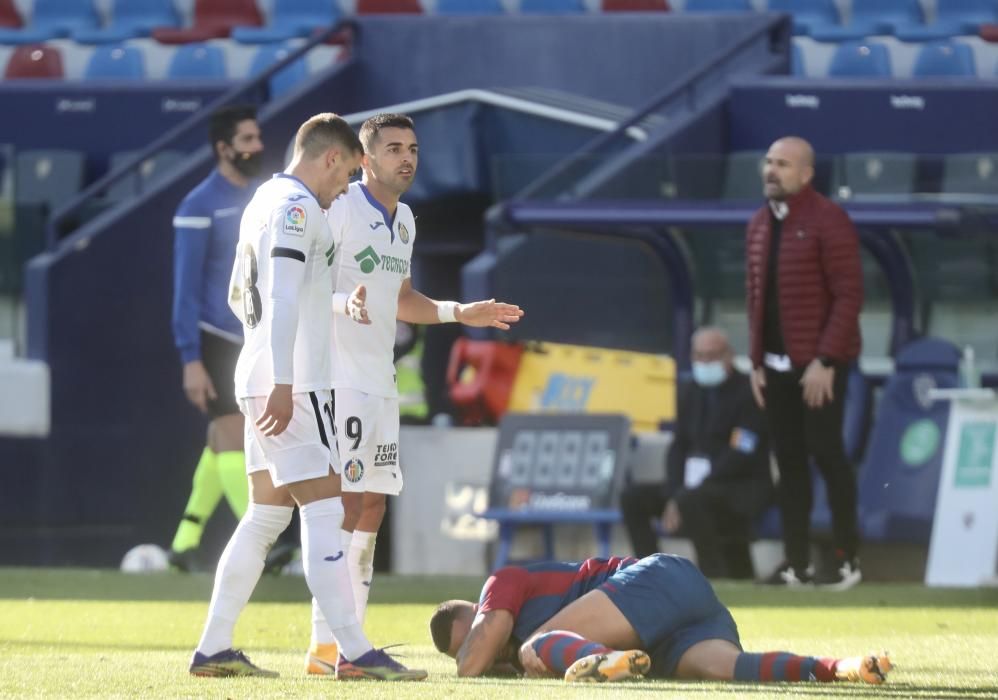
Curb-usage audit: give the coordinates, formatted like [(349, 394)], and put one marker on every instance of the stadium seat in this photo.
[(743, 176), (860, 59), (389, 7), (289, 19), (635, 6), (989, 32), (10, 18), (143, 15), (900, 475), (226, 14), (470, 7), (872, 17), (189, 35), (64, 16), (858, 174), (197, 61), (285, 79), (808, 14), (797, 65), (945, 59), (551, 7), (115, 62), (48, 178), (34, 61), (150, 171), (480, 378), (968, 15), (717, 6), (970, 173)]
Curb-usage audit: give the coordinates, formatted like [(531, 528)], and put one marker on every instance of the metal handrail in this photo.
[(682, 88), (196, 120)]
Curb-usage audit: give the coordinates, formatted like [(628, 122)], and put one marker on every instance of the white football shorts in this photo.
[(305, 450), (367, 432)]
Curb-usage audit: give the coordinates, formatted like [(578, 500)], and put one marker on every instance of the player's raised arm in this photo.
[(489, 633), (415, 307)]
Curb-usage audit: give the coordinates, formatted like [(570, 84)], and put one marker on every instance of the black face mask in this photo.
[(248, 164)]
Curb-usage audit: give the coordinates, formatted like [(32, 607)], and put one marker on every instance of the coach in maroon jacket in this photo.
[(804, 293)]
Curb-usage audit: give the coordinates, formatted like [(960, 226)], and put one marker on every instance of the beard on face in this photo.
[(247, 164)]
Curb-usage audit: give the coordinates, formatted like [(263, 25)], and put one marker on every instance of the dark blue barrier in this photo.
[(839, 116)]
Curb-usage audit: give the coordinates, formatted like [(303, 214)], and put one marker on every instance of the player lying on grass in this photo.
[(614, 619)]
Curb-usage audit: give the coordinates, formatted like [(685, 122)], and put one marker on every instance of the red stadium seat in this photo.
[(9, 18), (34, 61), (227, 13), (190, 35), (389, 7), (636, 6), (989, 32), (480, 377)]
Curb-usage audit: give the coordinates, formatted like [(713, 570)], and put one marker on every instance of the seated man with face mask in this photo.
[(717, 469)]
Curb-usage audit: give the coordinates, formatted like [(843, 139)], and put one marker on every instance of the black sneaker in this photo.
[(185, 561), (843, 574), (786, 575)]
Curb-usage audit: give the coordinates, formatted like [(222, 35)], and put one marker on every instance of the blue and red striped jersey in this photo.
[(535, 592)]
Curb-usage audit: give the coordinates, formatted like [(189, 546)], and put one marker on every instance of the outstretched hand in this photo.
[(490, 312), (357, 305)]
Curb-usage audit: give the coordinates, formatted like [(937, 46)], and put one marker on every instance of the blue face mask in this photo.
[(709, 373)]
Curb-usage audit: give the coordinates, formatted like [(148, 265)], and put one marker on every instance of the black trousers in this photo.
[(711, 517), (798, 434)]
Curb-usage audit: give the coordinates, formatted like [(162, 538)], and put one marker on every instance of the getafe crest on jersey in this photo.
[(403, 233), (294, 220)]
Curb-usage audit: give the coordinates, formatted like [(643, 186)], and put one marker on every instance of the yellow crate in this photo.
[(578, 379)]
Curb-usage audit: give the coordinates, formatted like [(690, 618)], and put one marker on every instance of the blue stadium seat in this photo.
[(968, 14), (551, 7), (873, 17), (64, 16), (900, 475), (150, 171), (944, 59), (717, 6), (797, 65), (290, 19), (470, 7), (860, 59), (115, 62), (285, 79), (197, 61), (143, 16), (808, 14)]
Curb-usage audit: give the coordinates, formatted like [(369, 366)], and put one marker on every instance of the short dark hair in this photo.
[(370, 129), (224, 120), (442, 623), (322, 132)]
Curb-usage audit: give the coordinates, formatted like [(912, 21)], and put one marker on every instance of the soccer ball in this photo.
[(145, 559)]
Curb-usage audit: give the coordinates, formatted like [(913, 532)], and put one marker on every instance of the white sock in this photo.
[(361, 563), (321, 634), (325, 561), (239, 569)]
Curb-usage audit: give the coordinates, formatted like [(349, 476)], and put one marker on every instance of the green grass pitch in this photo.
[(98, 634)]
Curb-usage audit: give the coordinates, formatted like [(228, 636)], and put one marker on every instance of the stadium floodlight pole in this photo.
[(196, 120)]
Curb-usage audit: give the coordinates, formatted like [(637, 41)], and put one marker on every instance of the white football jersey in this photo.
[(280, 290), (376, 251)]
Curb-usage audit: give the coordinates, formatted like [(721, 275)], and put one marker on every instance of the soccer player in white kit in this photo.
[(374, 234), (281, 285)]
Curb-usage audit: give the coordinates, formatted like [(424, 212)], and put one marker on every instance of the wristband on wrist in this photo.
[(340, 303), (446, 311)]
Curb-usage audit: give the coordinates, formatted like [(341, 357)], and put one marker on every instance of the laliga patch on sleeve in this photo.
[(744, 440), (294, 220)]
